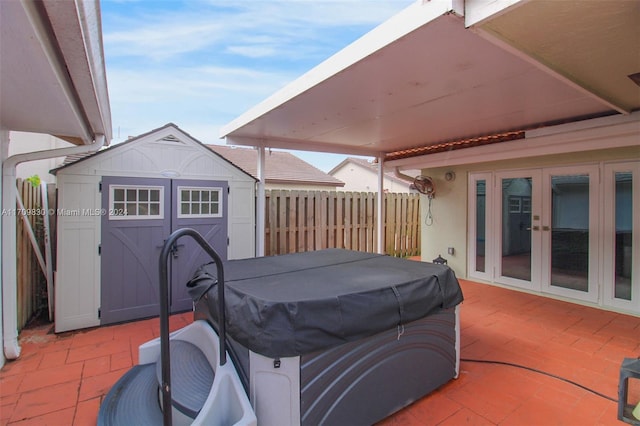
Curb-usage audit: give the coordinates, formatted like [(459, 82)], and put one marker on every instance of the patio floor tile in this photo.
[(45, 377), (61, 379), (87, 412), (55, 418), (46, 400)]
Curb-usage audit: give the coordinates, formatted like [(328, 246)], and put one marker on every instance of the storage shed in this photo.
[(116, 208)]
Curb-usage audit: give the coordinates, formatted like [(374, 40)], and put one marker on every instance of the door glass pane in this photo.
[(134, 203), (118, 194), (570, 232), (203, 202), (480, 224), (516, 228), (623, 243)]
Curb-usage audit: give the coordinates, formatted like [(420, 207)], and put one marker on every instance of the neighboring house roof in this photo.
[(77, 158), (280, 166), (373, 167)]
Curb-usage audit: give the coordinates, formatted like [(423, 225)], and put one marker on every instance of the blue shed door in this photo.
[(201, 205), (138, 215)]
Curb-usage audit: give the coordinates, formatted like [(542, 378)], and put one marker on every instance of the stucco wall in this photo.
[(359, 179), (21, 142)]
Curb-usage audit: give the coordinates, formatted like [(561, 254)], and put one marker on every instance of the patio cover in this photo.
[(445, 70)]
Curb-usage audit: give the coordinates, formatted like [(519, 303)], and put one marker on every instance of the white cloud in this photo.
[(168, 33), (202, 63)]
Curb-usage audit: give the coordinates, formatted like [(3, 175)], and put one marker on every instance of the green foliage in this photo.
[(34, 180)]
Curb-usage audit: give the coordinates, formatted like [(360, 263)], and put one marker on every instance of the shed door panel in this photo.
[(200, 205), (135, 222), (140, 215)]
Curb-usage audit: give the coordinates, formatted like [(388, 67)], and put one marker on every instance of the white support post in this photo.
[(260, 203), (380, 206), (4, 154)]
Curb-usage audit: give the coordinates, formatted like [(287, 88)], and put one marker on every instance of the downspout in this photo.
[(9, 270)]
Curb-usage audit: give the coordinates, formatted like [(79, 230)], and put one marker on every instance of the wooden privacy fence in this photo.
[(31, 283), (298, 221)]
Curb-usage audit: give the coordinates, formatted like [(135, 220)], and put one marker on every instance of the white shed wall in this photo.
[(77, 291), (79, 233)]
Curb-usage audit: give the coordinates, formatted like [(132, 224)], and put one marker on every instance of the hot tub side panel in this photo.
[(365, 381)]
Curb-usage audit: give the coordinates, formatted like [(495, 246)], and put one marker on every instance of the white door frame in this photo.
[(535, 175), (473, 272), (608, 243), (591, 295), (601, 273)]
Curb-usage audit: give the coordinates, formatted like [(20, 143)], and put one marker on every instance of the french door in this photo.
[(537, 229), (518, 228), (621, 252), (570, 232)]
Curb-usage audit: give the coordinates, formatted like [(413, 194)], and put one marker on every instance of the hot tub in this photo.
[(335, 336)]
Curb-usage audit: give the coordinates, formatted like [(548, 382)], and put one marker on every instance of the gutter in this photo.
[(9, 269)]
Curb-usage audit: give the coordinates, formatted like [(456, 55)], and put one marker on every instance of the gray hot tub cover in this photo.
[(289, 305)]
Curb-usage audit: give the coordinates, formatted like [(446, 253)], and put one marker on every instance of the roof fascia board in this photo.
[(78, 30), (618, 131), (613, 121), (478, 11), (403, 23), (42, 28), (300, 145)]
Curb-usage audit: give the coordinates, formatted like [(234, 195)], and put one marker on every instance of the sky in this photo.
[(202, 63)]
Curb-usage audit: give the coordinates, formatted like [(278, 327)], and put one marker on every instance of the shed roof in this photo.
[(280, 166), (71, 160)]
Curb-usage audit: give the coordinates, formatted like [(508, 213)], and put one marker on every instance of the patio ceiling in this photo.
[(52, 74), (425, 77)]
